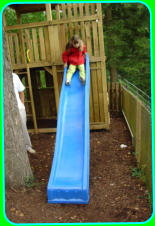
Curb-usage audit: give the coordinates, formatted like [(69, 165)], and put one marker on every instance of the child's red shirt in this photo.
[(74, 56)]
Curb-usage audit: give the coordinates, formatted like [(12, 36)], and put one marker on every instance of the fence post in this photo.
[(120, 97), (138, 130), (115, 95)]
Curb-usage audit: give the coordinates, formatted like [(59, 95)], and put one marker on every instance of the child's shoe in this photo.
[(31, 150), (67, 82), (82, 80)]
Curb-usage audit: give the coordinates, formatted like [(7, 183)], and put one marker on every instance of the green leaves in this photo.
[(136, 172), (10, 15), (29, 181), (129, 32)]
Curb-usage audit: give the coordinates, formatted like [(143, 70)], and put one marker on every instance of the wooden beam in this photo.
[(48, 23), (46, 63), (63, 6), (53, 72), (50, 32), (30, 8), (29, 44), (25, 26), (103, 70), (58, 12), (48, 12), (49, 70), (31, 65), (56, 88), (97, 126), (138, 129), (32, 101), (35, 44), (47, 44), (21, 40), (43, 130), (42, 44)]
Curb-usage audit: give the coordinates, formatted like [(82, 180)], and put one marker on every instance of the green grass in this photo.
[(136, 172)]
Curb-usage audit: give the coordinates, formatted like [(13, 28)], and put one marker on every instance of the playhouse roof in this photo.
[(29, 8)]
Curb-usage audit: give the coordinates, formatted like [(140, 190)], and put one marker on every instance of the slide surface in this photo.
[(69, 178)]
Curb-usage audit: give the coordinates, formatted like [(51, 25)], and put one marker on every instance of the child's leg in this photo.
[(70, 72), (82, 72)]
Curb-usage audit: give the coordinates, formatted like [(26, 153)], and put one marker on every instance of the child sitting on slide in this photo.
[(74, 55)]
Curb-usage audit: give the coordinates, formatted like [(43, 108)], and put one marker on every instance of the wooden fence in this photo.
[(138, 118)]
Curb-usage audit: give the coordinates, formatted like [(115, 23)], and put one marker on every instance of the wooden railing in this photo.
[(45, 41), (29, 45)]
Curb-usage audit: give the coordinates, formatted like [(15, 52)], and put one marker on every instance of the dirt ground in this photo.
[(115, 195)]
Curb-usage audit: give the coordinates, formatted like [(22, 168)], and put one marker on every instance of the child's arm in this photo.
[(84, 50), (65, 57), (65, 64), (21, 96)]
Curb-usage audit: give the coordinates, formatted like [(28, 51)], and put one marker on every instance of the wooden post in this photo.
[(42, 44), (64, 11), (50, 31), (47, 45), (34, 84), (35, 44), (138, 130), (32, 101), (21, 40), (48, 12), (54, 72), (29, 44), (56, 88), (103, 68), (57, 12)]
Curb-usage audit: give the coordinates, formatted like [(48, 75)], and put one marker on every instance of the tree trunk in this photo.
[(17, 167), (113, 73), (111, 52), (111, 48)]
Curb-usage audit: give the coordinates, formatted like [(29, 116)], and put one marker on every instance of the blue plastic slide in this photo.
[(69, 178)]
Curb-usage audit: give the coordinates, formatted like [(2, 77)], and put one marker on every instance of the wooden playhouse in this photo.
[(35, 51)]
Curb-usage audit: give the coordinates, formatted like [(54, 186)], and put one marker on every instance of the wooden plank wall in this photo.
[(46, 41), (35, 40), (85, 20)]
